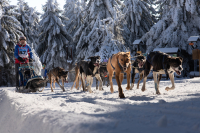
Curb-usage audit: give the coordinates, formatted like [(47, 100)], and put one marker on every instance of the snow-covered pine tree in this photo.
[(73, 14), (100, 30), (29, 19), (53, 37), (33, 33), (10, 31), (139, 15), (180, 20), (73, 11)]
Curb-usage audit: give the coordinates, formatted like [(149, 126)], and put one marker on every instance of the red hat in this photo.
[(22, 38)]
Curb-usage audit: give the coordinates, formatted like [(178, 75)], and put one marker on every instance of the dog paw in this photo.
[(121, 96), (128, 88), (132, 85), (158, 92), (143, 89), (167, 88), (111, 90)]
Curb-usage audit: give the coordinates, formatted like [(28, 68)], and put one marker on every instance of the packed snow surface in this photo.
[(75, 111)]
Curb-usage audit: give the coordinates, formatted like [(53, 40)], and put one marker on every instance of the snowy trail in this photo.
[(76, 111)]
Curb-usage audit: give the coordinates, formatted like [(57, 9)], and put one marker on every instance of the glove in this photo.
[(30, 60), (20, 59)]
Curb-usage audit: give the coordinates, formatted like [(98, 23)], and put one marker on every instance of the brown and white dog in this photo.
[(55, 75), (162, 63), (119, 63), (138, 67)]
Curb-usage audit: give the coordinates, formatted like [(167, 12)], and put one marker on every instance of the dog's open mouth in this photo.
[(141, 64), (96, 64), (178, 72)]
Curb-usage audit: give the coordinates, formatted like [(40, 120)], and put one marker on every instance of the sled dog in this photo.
[(104, 74), (87, 70), (161, 63), (55, 75), (119, 63), (138, 67)]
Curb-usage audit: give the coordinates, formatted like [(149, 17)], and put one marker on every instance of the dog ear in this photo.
[(181, 59), (66, 72), (128, 53)]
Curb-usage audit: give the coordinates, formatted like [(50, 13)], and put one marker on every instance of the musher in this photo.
[(22, 55)]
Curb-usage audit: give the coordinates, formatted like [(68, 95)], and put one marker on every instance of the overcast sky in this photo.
[(38, 3)]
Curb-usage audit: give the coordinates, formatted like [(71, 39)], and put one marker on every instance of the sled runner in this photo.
[(29, 81)]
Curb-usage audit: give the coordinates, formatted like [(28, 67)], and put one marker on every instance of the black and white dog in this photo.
[(137, 67), (88, 70), (162, 63), (104, 75)]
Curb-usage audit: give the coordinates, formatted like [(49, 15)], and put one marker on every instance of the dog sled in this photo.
[(29, 81)]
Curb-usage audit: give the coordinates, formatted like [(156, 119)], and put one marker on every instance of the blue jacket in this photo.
[(23, 52)]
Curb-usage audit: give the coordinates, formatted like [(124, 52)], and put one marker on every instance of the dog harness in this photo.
[(118, 64), (111, 63)]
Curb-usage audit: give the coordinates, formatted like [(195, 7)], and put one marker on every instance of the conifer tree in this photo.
[(180, 20), (53, 37), (10, 31), (100, 29)]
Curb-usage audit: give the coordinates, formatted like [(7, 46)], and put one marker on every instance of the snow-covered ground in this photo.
[(176, 111)]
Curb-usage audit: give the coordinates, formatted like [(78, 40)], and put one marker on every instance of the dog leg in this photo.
[(77, 73), (111, 83), (63, 84), (146, 73), (133, 78), (83, 81), (117, 77), (159, 78), (171, 76), (128, 76), (96, 84), (77, 82), (156, 82), (108, 82), (62, 87), (121, 77), (79, 86), (89, 80), (54, 84), (141, 76), (100, 81), (51, 84), (144, 84)]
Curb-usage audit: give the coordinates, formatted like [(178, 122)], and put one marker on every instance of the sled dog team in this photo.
[(120, 63)]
